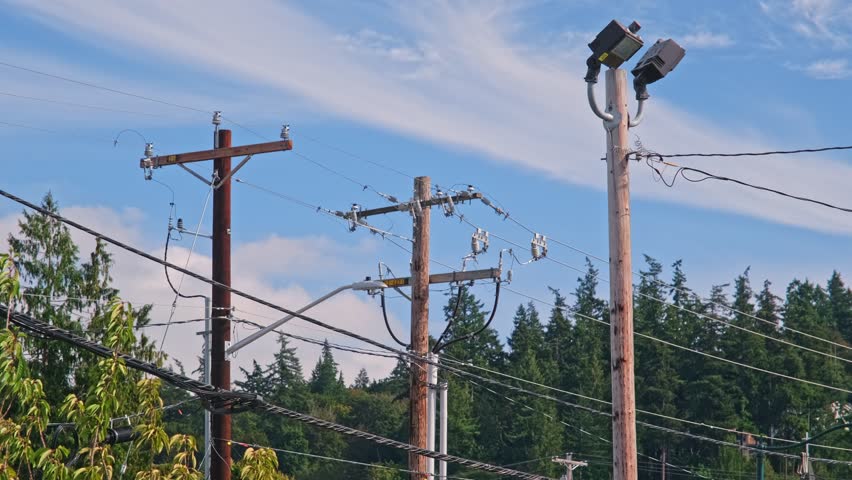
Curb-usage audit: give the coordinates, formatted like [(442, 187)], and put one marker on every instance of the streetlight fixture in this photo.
[(657, 62), (370, 286)]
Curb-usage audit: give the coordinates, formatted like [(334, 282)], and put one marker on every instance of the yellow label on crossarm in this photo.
[(603, 57)]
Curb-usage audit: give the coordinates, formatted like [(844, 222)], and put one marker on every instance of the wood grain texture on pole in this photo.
[(418, 435), (624, 462), (221, 367)]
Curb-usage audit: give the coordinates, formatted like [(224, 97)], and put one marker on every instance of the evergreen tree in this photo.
[(362, 381), (325, 378), (532, 430)]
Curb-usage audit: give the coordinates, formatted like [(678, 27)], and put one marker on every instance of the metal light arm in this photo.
[(590, 92), (640, 113), (365, 285)]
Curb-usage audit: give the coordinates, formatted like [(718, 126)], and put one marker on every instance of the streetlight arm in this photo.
[(590, 93), (640, 113), (263, 331), (808, 440)]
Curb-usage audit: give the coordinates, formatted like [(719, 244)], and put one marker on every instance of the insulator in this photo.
[(393, 199), (170, 224), (486, 201), (479, 241), (149, 150), (538, 246), (471, 189), (509, 276), (180, 224), (217, 118), (285, 132)]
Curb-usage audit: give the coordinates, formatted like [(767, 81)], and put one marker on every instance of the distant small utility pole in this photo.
[(220, 367), (570, 465)]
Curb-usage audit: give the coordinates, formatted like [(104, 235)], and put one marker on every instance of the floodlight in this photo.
[(657, 62), (613, 46)]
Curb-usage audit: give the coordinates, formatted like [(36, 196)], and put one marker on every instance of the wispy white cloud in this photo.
[(826, 69), (826, 21), (705, 39), (496, 96)]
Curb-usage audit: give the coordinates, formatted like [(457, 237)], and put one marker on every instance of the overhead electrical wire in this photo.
[(335, 459), (681, 171), (241, 397), (218, 400), (709, 355), (186, 264), (80, 105), (753, 154), (318, 209), (664, 302), (687, 292)]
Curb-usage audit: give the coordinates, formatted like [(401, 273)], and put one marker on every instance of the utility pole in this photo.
[(221, 253), (418, 433), (663, 464), (621, 280), (208, 314), (220, 368), (570, 465)]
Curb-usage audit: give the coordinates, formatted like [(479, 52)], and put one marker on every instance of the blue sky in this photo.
[(482, 93)]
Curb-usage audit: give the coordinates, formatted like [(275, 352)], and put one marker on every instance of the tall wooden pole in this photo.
[(624, 461), (418, 431), (221, 367), (663, 464)]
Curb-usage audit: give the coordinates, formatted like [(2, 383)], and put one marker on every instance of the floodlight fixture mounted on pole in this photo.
[(370, 286), (615, 45)]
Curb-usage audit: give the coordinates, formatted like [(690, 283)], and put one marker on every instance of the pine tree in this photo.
[(325, 378), (362, 381), (532, 428)]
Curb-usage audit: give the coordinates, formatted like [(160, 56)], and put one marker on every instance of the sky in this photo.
[(483, 93)]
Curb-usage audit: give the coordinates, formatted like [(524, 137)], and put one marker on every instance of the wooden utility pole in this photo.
[(220, 367), (418, 433), (221, 253), (663, 464), (419, 281), (624, 460)]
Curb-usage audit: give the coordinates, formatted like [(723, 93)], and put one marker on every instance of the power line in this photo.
[(234, 402), (680, 307), (646, 412), (751, 154), (681, 172), (335, 459), (186, 264), (690, 293), (100, 87), (357, 157), (318, 209), (81, 105), (238, 398), (708, 355)]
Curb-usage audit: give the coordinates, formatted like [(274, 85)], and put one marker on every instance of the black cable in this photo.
[(708, 176), (387, 323), (452, 319), (487, 324), (222, 401), (240, 293), (754, 154), (166, 268)]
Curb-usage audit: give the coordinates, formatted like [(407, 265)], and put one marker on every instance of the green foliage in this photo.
[(567, 350)]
